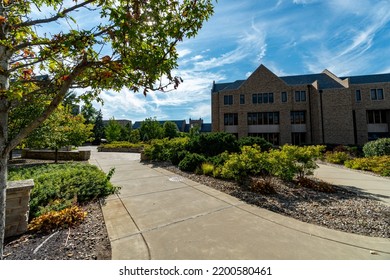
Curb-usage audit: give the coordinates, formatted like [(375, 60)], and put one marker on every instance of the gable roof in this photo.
[(326, 80)]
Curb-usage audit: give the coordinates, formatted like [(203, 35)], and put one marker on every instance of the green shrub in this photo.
[(207, 168), (259, 141), (220, 159), (191, 162), (212, 144), (65, 183), (251, 161), (166, 149), (121, 144), (380, 147), (379, 164), (337, 157)]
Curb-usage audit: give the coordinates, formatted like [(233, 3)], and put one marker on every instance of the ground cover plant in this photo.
[(62, 186)]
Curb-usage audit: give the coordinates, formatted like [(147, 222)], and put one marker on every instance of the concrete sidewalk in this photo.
[(374, 186), (161, 216)]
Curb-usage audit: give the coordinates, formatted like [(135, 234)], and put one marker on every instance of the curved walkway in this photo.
[(159, 215)]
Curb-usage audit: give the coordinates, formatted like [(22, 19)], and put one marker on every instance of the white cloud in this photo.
[(251, 45), (202, 111)]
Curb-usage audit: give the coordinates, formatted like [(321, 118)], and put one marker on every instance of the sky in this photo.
[(290, 37)]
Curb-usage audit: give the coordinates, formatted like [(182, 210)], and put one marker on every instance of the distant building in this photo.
[(182, 125), (121, 122), (304, 109)]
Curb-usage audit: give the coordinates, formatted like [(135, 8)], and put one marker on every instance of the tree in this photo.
[(61, 129), (150, 129), (126, 132), (113, 130), (133, 45), (98, 128), (89, 113), (170, 130)]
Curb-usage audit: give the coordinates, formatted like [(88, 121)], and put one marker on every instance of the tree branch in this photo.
[(54, 18), (52, 106)]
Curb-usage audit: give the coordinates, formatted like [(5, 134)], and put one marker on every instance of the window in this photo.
[(284, 96), (377, 94), (298, 138), (376, 116), (258, 98), (273, 138), (228, 99), (263, 118), (358, 95), (242, 98), (300, 96), (230, 119), (298, 117)]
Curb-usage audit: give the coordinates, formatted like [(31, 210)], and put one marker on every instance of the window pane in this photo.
[(260, 98), (235, 122), (303, 95), (265, 118), (259, 120), (380, 93), (254, 98), (377, 117), (284, 96), (230, 99), (242, 99), (265, 97), (373, 94), (358, 95), (271, 97), (370, 116), (297, 96), (270, 118), (276, 118)]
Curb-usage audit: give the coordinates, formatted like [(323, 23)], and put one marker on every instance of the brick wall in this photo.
[(17, 207)]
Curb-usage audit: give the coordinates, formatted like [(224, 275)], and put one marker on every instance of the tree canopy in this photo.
[(45, 51)]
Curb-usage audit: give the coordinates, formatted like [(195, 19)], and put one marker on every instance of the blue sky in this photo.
[(347, 37)]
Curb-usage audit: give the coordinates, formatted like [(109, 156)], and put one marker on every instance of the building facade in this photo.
[(305, 109)]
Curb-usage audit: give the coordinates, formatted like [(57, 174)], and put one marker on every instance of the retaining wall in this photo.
[(62, 155)]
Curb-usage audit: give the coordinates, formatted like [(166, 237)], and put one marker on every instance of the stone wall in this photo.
[(17, 207), (62, 155)]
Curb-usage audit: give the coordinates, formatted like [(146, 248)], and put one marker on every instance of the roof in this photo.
[(325, 81), (369, 79)]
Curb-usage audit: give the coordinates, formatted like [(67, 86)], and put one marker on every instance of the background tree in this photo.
[(98, 128), (113, 130), (133, 45), (150, 129), (61, 129), (135, 136), (126, 132), (89, 113), (170, 130)]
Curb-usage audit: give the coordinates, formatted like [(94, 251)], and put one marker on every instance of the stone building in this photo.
[(305, 109)]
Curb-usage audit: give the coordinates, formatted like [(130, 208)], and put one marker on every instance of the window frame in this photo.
[(283, 96), (228, 100)]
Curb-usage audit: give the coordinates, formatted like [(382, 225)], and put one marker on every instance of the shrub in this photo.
[(212, 144), (207, 168), (337, 157), (122, 144), (259, 141), (379, 165), (219, 160), (291, 161), (380, 147), (52, 220), (262, 186), (166, 149), (191, 162), (65, 183), (251, 161)]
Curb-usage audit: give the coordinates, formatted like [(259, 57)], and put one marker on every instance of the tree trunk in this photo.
[(56, 155), (3, 169)]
